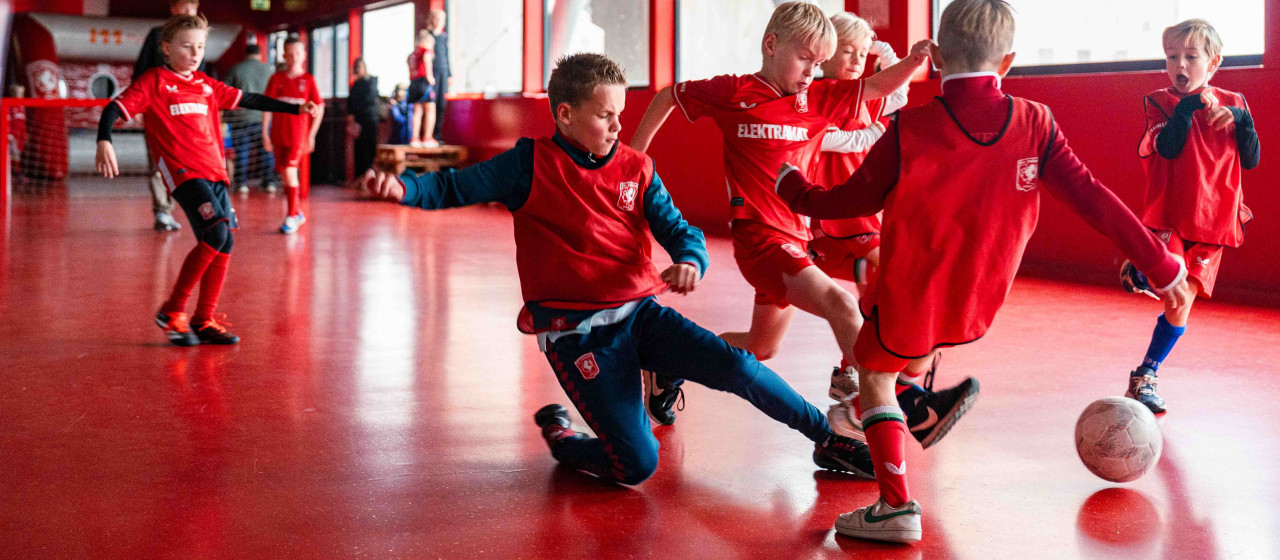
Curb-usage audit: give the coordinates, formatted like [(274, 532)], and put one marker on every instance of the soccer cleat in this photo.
[(934, 413), (844, 454), (292, 223), (662, 398), (270, 188), (1134, 281), (213, 332), (844, 383), (165, 222), (177, 328), (554, 421), (880, 522), (1142, 388)]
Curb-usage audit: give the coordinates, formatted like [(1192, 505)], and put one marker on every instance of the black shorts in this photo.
[(420, 91), (206, 203)]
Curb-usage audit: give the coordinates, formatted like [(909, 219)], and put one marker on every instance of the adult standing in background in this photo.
[(363, 111), (250, 76), (150, 57), (435, 23)]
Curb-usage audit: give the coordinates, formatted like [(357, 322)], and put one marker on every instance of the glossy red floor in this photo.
[(379, 407)]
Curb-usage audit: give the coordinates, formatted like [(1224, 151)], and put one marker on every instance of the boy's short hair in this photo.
[(975, 33), (292, 39), (850, 27), (423, 35), (176, 3), (180, 22), (1194, 32), (804, 22), (252, 50), (436, 15), (577, 75)]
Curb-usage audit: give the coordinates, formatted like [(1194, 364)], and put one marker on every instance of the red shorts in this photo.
[(1202, 260), (765, 254), (287, 156), (873, 355), (844, 258)]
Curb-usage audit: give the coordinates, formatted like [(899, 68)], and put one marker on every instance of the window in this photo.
[(275, 47), (1103, 35), (486, 45), (716, 37), (388, 41), (330, 50), (617, 28)]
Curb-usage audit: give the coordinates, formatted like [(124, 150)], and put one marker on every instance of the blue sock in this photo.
[(1162, 341)]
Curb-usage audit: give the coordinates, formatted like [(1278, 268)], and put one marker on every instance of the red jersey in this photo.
[(763, 129), (834, 168), (1197, 194), (286, 129), (418, 61), (183, 130), (583, 233)]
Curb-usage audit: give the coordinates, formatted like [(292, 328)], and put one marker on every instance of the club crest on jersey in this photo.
[(1028, 173), (587, 366), (793, 250), (802, 101), (171, 89), (206, 210), (627, 191), (205, 90), (558, 323), (1164, 235)]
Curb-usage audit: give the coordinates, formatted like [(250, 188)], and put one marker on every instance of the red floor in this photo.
[(379, 407)]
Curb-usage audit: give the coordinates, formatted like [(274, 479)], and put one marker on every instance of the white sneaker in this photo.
[(844, 383), (165, 222), (242, 189), (880, 522), (292, 223)]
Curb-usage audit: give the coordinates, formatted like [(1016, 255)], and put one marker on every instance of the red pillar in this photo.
[(662, 43), (532, 47)]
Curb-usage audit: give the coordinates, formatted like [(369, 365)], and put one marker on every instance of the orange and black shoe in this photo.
[(177, 328), (212, 331)]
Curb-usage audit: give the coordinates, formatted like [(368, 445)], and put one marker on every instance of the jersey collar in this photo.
[(583, 157)]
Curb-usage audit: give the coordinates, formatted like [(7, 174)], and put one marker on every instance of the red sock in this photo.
[(886, 433), (293, 200), (210, 288), (192, 270)]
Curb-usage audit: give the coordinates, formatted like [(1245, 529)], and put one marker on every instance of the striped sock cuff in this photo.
[(882, 414), (905, 378)]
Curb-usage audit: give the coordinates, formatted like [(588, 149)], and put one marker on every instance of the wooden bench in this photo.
[(396, 158)]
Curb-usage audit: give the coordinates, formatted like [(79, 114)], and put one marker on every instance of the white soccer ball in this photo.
[(1118, 439), (843, 419)]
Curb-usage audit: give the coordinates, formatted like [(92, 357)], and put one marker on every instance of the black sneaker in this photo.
[(845, 454), (213, 332), (1134, 281), (1142, 388), (177, 328), (554, 421), (662, 398), (934, 413)]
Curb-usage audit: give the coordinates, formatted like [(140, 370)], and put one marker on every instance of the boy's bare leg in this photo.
[(768, 326)]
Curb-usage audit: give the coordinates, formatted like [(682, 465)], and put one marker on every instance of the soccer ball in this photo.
[(1118, 439)]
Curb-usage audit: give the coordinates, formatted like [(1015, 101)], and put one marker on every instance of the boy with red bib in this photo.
[(959, 182), (775, 115), (292, 137), (181, 106), (1198, 139), (584, 205)]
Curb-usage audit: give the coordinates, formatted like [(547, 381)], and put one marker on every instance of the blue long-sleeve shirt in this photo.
[(508, 178)]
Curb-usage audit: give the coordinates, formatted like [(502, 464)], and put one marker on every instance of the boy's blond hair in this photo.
[(850, 27), (423, 36), (180, 22), (1194, 32), (804, 22), (975, 34)]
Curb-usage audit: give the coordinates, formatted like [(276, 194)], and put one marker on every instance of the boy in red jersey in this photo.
[(291, 137), (1198, 139), (584, 205), (959, 182), (181, 106), (775, 115), (422, 90)]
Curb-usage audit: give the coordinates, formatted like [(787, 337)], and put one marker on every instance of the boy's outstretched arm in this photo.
[(657, 113), (686, 244), (505, 178), (890, 79), (1069, 181), (862, 195)]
